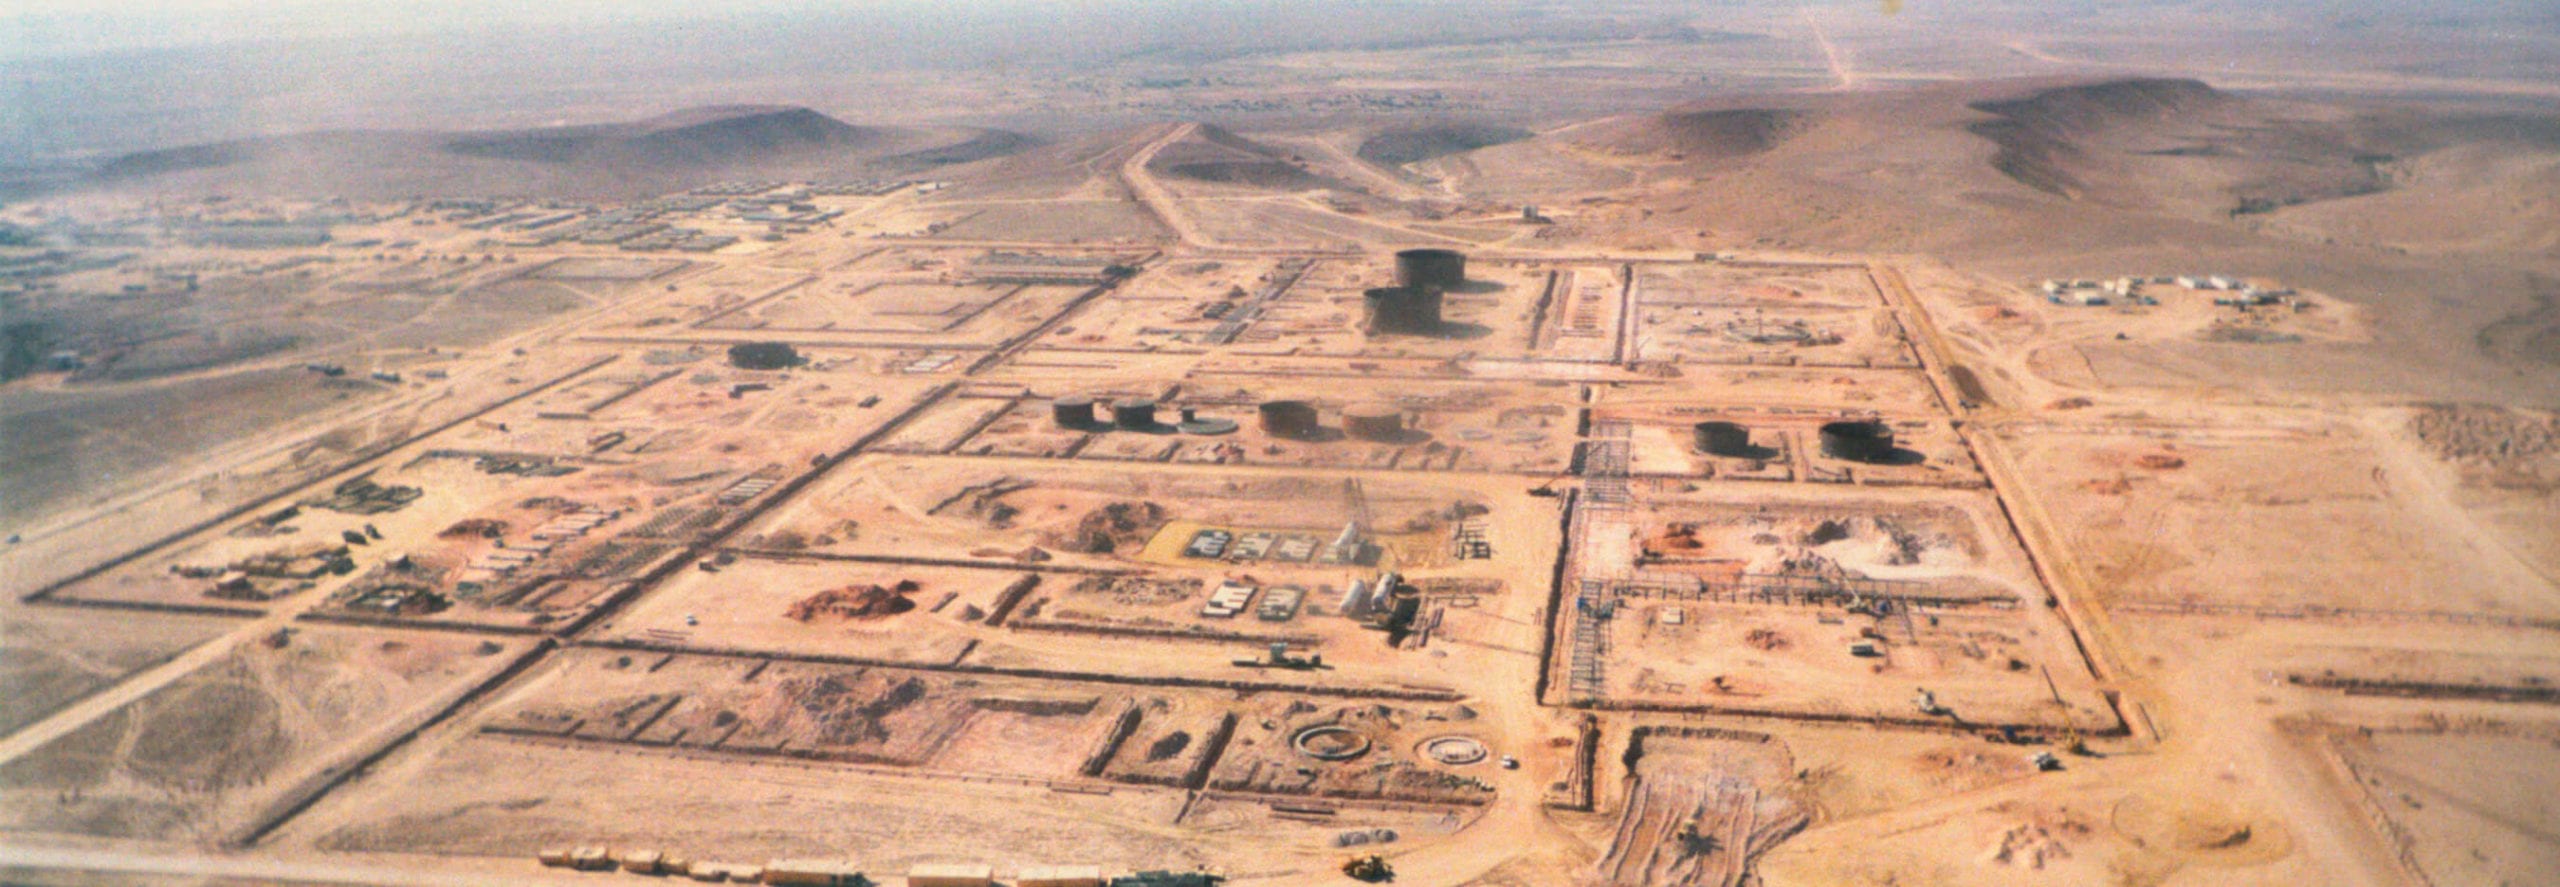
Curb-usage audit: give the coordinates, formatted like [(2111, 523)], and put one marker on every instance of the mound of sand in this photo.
[(1397, 147), (1711, 134), (854, 602), (1213, 154), (685, 138), (2047, 139)]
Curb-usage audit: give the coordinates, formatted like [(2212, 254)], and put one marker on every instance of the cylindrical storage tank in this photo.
[(1403, 310), (1857, 441), (1289, 418), (1431, 268), (1373, 423), (1722, 438), (1134, 414), (1072, 411)]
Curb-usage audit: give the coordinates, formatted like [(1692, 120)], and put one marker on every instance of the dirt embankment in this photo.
[(1212, 154), (1719, 134), (2046, 138), (1397, 147)]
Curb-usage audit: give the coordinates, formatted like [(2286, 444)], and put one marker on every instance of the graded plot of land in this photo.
[(945, 426), (1671, 448), (1031, 730), (760, 708), (1426, 426), (1130, 560), (1052, 221), (776, 601), (1663, 441), (1363, 750), (1179, 303), (210, 753), (2130, 830), (1702, 805), (50, 657), (1259, 219), (484, 313), (1754, 285), (1784, 391), (2272, 519), (1697, 333), (531, 515), (894, 308), (2165, 311), (2466, 808), (606, 269), (511, 798), (693, 297), (66, 443), (1580, 316), (1105, 516), (1843, 607), (2505, 465)]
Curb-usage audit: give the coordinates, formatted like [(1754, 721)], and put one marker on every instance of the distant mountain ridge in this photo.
[(604, 160)]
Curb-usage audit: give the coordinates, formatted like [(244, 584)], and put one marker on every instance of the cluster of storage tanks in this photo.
[(1853, 440), (1076, 412), (1299, 420), (1289, 419), (1412, 306)]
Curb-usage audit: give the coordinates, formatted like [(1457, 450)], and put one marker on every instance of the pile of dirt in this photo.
[(481, 527), (1676, 537), (2045, 138), (1397, 147), (848, 709), (688, 138), (1211, 154), (1765, 640), (855, 602), (2462, 432), (1111, 527), (1716, 134)]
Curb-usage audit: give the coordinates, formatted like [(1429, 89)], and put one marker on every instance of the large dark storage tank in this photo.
[(1441, 269), (1072, 411), (1403, 310), (1858, 441), (1289, 418), (1722, 438), (1135, 415)]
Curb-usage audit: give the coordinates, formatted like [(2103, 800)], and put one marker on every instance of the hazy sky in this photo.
[(55, 27)]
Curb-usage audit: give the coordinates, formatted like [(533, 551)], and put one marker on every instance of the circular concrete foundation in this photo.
[(1455, 751), (1330, 742)]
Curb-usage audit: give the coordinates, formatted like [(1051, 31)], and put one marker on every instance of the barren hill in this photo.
[(685, 138), (1397, 147), (611, 160), (2051, 177), (1704, 134), (1213, 154)]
